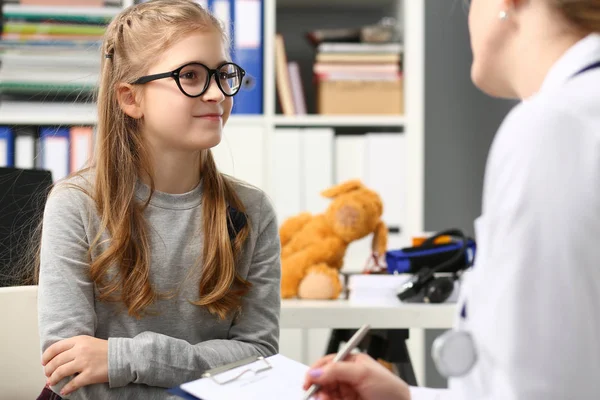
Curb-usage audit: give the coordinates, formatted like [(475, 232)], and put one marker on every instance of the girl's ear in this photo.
[(128, 101)]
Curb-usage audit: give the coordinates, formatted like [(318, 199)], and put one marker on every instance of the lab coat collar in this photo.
[(579, 56)]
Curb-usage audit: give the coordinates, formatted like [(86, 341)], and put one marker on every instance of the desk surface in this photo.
[(338, 314)]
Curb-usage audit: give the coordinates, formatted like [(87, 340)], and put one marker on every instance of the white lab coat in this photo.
[(533, 298)]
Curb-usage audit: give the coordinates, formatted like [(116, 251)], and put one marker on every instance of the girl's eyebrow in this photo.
[(200, 62)]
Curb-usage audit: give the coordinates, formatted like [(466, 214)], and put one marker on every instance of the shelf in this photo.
[(347, 4), (341, 120), (18, 11), (28, 113), (241, 119)]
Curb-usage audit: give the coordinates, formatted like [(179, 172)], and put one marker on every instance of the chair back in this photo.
[(23, 194), (21, 371)]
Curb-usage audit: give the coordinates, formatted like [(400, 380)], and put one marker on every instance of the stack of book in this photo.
[(49, 48), (359, 78)]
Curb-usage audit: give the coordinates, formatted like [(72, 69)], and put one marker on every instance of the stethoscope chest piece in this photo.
[(454, 353)]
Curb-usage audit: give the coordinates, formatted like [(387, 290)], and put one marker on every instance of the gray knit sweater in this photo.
[(182, 340)]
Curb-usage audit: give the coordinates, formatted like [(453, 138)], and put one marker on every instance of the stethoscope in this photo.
[(455, 352)]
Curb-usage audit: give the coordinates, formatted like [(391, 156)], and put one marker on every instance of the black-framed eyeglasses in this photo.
[(193, 79)]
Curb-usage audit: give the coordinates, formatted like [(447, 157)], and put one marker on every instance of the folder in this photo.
[(6, 146), (55, 151), (81, 146), (286, 173), (238, 151), (317, 167), (350, 158), (247, 19), (386, 174), (253, 378), (222, 9), (25, 147)]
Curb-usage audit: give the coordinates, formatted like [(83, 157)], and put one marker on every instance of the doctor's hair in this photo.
[(133, 41), (583, 14)]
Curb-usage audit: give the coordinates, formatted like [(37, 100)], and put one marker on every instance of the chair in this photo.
[(21, 371), (387, 345), (23, 195)]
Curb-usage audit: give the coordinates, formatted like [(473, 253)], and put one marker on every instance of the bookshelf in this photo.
[(277, 15), (81, 11), (365, 121)]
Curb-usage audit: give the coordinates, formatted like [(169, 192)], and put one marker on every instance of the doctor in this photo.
[(532, 302)]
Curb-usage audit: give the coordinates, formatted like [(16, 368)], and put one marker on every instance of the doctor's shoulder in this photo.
[(542, 124)]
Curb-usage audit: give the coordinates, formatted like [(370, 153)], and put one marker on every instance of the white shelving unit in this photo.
[(70, 11), (410, 15)]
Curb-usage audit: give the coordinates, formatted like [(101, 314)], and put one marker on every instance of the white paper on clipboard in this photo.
[(283, 380)]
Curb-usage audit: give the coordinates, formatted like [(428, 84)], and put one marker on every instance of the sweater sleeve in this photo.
[(159, 360), (65, 291)]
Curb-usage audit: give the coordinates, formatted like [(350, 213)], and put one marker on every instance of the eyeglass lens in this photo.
[(193, 79)]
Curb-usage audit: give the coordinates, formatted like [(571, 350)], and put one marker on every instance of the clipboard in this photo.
[(252, 377)]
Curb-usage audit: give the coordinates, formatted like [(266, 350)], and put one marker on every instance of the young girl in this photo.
[(154, 267)]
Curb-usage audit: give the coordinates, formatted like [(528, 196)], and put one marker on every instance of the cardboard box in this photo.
[(360, 97)]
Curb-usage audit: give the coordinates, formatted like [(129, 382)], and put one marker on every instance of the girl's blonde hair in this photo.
[(584, 14), (132, 41)]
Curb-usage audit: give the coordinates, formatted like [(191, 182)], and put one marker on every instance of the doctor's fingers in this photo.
[(337, 392), (317, 368), (328, 359), (351, 373)]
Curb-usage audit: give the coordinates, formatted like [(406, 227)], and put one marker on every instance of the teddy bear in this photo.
[(313, 246)]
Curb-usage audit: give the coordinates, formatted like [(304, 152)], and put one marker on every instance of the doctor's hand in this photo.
[(359, 377), (85, 357)]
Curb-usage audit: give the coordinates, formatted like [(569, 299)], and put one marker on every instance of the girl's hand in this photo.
[(84, 357), (359, 377)]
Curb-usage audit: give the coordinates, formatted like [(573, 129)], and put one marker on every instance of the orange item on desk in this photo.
[(418, 240)]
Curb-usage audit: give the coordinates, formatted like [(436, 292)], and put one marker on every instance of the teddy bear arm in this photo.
[(292, 226), (380, 239)]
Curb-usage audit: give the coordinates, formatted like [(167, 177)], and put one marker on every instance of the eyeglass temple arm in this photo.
[(148, 78)]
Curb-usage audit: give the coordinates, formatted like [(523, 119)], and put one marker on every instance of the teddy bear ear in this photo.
[(342, 188)]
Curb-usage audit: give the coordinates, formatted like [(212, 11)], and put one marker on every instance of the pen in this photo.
[(351, 345)]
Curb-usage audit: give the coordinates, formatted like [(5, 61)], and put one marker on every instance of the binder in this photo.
[(317, 168), (238, 151), (222, 9), (349, 158), (81, 146), (286, 173), (55, 151), (385, 170), (6, 146), (256, 377), (25, 147), (246, 35), (248, 54)]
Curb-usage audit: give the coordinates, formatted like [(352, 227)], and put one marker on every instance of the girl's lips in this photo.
[(211, 117)]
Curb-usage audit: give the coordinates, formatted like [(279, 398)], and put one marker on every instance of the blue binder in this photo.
[(7, 141), (54, 132), (247, 51)]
